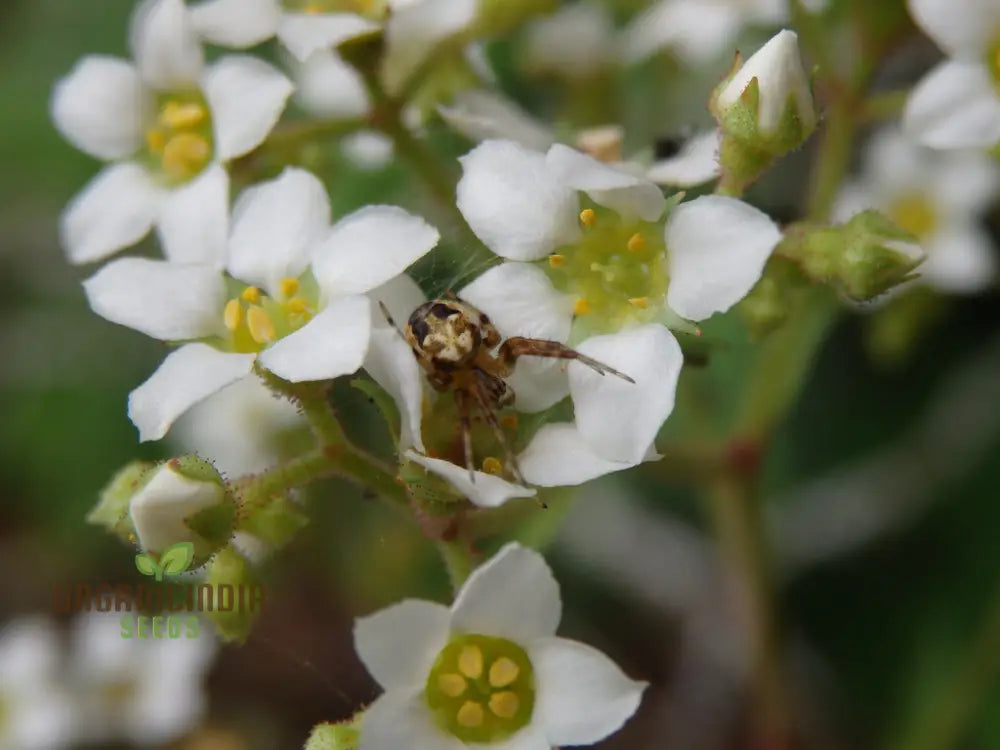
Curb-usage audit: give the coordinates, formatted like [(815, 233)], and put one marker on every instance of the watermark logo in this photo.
[(174, 561)]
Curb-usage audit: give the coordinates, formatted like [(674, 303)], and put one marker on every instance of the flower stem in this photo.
[(457, 560)]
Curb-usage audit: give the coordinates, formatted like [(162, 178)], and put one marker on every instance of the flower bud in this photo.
[(764, 108), (183, 500), (863, 258), (329, 736), (229, 570), (112, 508)]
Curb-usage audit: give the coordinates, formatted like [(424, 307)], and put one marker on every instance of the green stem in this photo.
[(457, 560), (834, 157)]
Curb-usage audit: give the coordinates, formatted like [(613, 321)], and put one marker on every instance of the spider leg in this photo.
[(462, 404), (519, 346), (389, 320), (491, 419)]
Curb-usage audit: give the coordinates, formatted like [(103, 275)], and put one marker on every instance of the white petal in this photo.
[(896, 165), (696, 162), (964, 182), (160, 508), (412, 33), (531, 737), (326, 86), (305, 33), (488, 491), (626, 193), (513, 595), (575, 42), (521, 301), (246, 96), (581, 696), (514, 203), (402, 720), (402, 295), (965, 29), (854, 197), (168, 301), (164, 44), (397, 662), (367, 149), (716, 248), (961, 259), (101, 107), (696, 30), (114, 211), (188, 375), (391, 364), (274, 224), (559, 456), (29, 651), (954, 106), (194, 219), (618, 419), (333, 343), (236, 23), (481, 115), (368, 247)]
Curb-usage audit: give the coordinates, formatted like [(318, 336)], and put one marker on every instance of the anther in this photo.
[(289, 286), (588, 216), (185, 154), (155, 141), (452, 685), (640, 302), (297, 306), (581, 306), (492, 465), (503, 672), (232, 316), (180, 116), (251, 294), (636, 243), (470, 715), (470, 662), (504, 704), (261, 326), (557, 261)]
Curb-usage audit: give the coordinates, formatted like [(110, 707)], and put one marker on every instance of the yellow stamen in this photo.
[(503, 672), (504, 704), (181, 116), (289, 286), (587, 217), (916, 214), (452, 685), (471, 714), (184, 155), (492, 466), (251, 294), (641, 302), (155, 141), (233, 314), (261, 326), (509, 421), (581, 306), (313, 8), (636, 243), (470, 662), (557, 261), (297, 306)]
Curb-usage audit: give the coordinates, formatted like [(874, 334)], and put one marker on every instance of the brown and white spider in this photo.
[(454, 343)]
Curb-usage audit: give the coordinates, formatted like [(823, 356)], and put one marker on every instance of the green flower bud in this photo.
[(329, 736), (767, 306), (112, 509), (764, 108), (863, 258), (229, 570), (183, 500)]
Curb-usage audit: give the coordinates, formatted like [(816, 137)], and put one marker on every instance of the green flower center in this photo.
[(915, 213), (481, 689), (617, 272), (368, 8), (993, 61), (255, 319), (180, 142)]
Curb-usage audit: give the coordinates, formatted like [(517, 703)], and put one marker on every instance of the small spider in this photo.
[(454, 344)]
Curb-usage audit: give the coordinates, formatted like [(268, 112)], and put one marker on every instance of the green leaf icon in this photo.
[(176, 558), (147, 565)]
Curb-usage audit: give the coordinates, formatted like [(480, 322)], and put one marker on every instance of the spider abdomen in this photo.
[(446, 332)]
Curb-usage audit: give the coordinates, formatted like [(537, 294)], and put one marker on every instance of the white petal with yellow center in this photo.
[(397, 662)]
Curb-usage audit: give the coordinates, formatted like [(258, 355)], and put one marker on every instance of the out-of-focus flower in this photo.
[(489, 671), (167, 123), (957, 104), (576, 41), (299, 305), (36, 713), (147, 690), (939, 199)]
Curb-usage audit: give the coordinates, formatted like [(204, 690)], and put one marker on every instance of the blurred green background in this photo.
[(881, 492)]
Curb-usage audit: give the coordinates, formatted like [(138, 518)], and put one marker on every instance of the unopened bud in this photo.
[(112, 508)]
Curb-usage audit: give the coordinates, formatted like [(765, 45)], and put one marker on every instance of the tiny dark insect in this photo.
[(454, 344)]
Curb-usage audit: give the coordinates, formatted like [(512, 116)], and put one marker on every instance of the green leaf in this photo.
[(146, 564), (177, 558), (383, 402)]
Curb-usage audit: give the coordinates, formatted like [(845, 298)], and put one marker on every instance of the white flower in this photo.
[(313, 325), (147, 691), (777, 69), (489, 672), (698, 31), (576, 41), (167, 123), (957, 104), (35, 711), (939, 197)]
